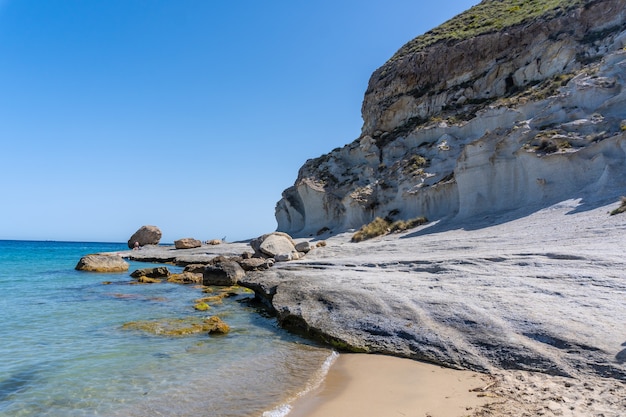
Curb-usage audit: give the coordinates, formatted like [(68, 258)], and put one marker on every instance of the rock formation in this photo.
[(157, 272), (277, 245), (223, 273), (187, 243), (102, 262), (457, 126), (146, 235)]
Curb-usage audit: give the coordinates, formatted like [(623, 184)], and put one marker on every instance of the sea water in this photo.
[(64, 351)]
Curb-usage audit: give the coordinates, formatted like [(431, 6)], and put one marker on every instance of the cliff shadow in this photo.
[(574, 205)]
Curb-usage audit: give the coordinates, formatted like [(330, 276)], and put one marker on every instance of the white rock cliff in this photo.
[(528, 116)]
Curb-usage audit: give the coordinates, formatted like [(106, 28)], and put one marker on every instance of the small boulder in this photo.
[(186, 278), (195, 268), (222, 273), (304, 247), (102, 263), (213, 242), (187, 243), (159, 272), (256, 264), (148, 280), (146, 235), (215, 325)]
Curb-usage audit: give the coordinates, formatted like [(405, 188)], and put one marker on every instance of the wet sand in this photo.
[(378, 386)]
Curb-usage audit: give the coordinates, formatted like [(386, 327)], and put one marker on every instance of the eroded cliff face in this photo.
[(529, 115)]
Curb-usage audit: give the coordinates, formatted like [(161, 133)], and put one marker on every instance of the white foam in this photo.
[(284, 409)]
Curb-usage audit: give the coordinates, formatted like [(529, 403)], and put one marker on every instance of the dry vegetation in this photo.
[(620, 209), (380, 227), (486, 17)]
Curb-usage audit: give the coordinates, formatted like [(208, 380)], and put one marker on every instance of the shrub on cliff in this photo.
[(377, 227), (380, 226), (620, 209)]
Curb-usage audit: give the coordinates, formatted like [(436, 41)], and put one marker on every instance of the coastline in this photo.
[(378, 385), (533, 297)]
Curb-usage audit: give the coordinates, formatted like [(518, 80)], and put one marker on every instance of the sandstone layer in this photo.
[(529, 115)]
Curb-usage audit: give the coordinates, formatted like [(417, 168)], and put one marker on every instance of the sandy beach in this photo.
[(377, 385), (383, 386), (532, 299)]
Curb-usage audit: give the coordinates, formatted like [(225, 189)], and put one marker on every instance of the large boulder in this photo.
[(187, 243), (223, 273), (102, 263), (274, 244), (146, 235)]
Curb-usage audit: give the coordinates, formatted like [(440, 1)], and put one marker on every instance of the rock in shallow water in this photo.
[(222, 273), (102, 263)]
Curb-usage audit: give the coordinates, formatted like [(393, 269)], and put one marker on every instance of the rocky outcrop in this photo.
[(256, 264), (102, 263), (224, 273), (157, 272), (186, 277), (526, 116), (187, 243), (537, 293), (146, 235), (277, 245)]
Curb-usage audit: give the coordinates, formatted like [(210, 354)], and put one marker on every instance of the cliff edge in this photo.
[(510, 104)]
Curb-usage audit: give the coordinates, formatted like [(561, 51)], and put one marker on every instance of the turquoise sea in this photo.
[(63, 351)]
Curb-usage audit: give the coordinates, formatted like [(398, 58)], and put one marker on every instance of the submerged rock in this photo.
[(102, 263), (176, 327), (186, 278)]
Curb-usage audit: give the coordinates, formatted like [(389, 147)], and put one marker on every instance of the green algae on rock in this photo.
[(202, 306), (177, 327)]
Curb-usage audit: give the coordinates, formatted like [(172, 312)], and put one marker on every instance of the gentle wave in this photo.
[(65, 352), (315, 382)]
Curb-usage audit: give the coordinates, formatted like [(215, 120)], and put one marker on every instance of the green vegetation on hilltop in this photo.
[(488, 16)]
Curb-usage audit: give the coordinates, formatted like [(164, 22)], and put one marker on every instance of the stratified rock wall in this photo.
[(527, 116)]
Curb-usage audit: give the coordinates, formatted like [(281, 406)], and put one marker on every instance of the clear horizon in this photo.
[(191, 116)]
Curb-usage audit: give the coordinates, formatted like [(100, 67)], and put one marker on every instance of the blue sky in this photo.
[(190, 115)]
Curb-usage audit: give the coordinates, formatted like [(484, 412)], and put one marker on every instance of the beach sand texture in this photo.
[(382, 386), (377, 385)]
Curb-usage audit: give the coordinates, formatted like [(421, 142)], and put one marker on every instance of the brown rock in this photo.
[(186, 278), (222, 273), (102, 263), (194, 268), (159, 272), (255, 264), (148, 280), (146, 235), (187, 243)]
